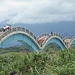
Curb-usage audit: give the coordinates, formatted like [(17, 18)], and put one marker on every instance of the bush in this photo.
[(44, 63)]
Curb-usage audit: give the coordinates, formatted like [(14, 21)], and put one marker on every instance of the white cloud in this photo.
[(36, 11)]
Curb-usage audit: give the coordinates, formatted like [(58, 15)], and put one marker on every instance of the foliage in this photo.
[(48, 62)]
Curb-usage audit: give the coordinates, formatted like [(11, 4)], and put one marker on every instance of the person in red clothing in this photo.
[(10, 27)]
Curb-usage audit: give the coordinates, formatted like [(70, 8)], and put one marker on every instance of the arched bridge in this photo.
[(31, 42)]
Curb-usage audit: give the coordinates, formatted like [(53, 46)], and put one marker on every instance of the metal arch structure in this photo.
[(30, 41), (22, 35)]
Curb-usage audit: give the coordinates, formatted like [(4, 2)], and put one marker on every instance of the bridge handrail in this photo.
[(54, 34), (32, 36), (17, 29), (42, 35), (67, 38)]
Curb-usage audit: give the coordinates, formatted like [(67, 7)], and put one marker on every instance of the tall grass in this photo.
[(51, 62)]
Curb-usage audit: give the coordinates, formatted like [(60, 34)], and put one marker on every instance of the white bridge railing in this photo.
[(32, 36), (42, 35), (54, 34), (15, 30)]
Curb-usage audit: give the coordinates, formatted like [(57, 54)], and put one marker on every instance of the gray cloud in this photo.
[(36, 11)]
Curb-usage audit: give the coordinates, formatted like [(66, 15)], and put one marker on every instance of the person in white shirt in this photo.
[(7, 27)]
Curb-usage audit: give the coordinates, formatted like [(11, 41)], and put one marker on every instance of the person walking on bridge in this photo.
[(7, 26), (10, 27), (4, 28), (51, 33)]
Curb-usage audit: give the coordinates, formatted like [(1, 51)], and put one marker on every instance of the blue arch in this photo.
[(72, 43), (57, 41), (26, 40)]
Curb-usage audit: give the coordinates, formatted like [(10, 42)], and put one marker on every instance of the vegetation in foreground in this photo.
[(48, 62)]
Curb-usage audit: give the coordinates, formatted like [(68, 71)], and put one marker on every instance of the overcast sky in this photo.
[(36, 11)]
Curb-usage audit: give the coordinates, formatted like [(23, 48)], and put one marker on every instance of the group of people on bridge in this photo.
[(7, 27)]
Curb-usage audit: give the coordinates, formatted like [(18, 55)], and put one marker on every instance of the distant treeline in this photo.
[(14, 49)]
